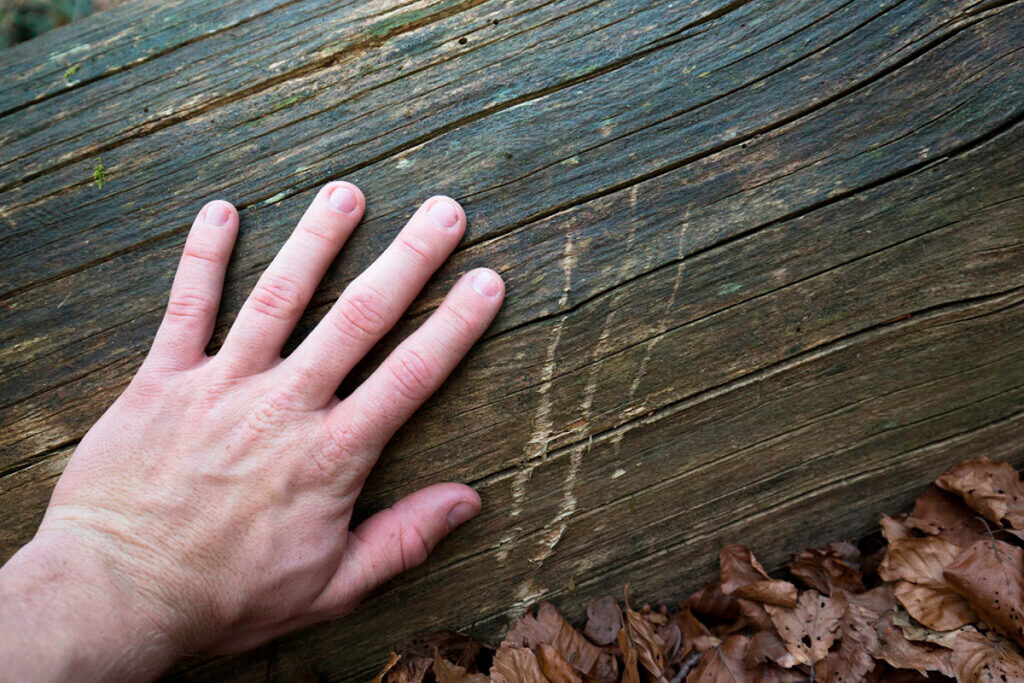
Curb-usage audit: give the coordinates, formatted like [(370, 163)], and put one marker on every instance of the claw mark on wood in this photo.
[(537, 447), (599, 352), (555, 529), (665, 319), (542, 423), (552, 533)]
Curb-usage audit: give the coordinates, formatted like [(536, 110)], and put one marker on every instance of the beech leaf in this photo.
[(410, 669), (767, 647), (858, 643), (744, 577), (901, 653), (917, 565), (723, 663), (945, 515), (912, 630), (991, 488), (810, 628), (978, 658), (554, 666), (447, 672), (894, 529), (516, 665), (650, 649), (630, 672), (878, 600), (603, 621), (990, 575), (388, 666), (549, 627), (713, 605), (693, 634), (826, 570)]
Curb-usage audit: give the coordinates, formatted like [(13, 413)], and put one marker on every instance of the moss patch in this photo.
[(99, 173)]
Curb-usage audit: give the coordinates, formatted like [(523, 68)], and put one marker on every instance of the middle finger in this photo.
[(375, 300)]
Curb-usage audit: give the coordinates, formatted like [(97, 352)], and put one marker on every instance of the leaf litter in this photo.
[(941, 600)]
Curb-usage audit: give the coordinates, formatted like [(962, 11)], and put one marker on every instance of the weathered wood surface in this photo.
[(765, 262)]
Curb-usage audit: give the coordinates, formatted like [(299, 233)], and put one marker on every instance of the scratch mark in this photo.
[(537, 446), (599, 350), (665, 318)]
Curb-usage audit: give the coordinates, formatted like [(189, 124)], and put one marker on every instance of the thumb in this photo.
[(395, 540)]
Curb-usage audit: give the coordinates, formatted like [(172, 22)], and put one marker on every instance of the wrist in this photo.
[(81, 619)]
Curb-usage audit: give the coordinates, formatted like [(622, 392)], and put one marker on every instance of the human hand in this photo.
[(214, 497)]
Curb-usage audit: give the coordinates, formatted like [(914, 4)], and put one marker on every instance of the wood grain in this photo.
[(764, 262)]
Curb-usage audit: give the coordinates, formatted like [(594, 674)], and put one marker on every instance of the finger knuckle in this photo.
[(145, 388), (196, 250), (414, 546), (413, 372), (189, 304), (264, 417), (360, 313), (341, 435), (322, 230), (459, 320), (279, 296), (416, 247)]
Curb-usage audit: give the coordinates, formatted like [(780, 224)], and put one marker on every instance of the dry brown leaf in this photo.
[(826, 570), (858, 642), (917, 559), (942, 514), (516, 665), (894, 529), (991, 488), (549, 627), (650, 649), (712, 605), (554, 666), (411, 669), (912, 630), (899, 652), (810, 628), (917, 565), (937, 607), (891, 675), (630, 672), (766, 647), (990, 575), (693, 634), (878, 600), (770, 673), (980, 659), (447, 672), (753, 617), (744, 577), (603, 621), (388, 666), (723, 664)]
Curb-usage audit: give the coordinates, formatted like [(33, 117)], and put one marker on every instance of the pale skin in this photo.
[(209, 509)]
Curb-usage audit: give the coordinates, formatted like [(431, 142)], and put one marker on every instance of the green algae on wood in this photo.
[(99, 173)]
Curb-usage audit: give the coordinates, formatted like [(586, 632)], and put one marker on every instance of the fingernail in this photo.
[(218, 214), (485, 283), (343, 199), (444, 214), (460, 514)]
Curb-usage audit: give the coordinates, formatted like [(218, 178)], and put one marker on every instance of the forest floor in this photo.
[(938, 595)]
